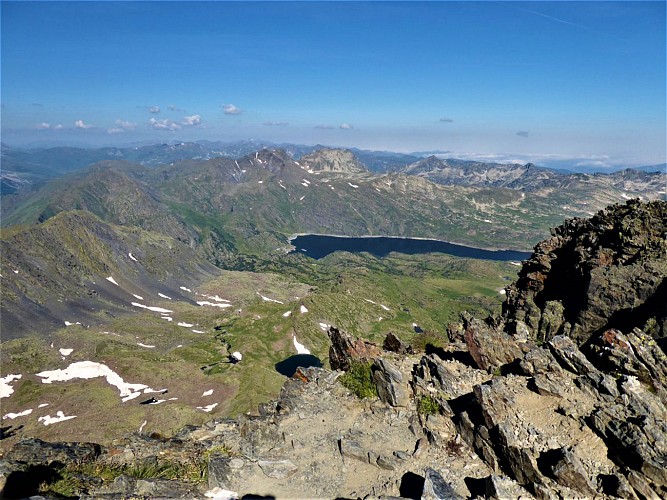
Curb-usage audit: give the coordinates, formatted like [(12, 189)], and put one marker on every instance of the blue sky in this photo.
[(577, 82)]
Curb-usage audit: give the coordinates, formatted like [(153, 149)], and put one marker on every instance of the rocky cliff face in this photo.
[(503, 411), (594, 274)]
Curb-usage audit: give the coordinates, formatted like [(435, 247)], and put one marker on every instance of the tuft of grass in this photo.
[(428, 405), (422, 340), (359, 380)]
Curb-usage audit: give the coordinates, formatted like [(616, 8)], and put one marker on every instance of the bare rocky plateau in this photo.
[(563, 395)]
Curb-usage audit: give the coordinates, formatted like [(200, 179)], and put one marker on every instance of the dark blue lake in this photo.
[(318, 246)]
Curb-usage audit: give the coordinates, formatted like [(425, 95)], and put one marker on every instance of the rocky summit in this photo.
[(563, 395)]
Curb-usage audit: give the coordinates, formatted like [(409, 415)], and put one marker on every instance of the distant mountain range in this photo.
[(22, 167), (69, 226)]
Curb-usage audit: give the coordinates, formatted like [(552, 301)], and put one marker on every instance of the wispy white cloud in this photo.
[(523, 133), (325, 127), (44, 126), (121, 126), (37, 104), (346, 126), (80, 124), (275, 124), (58, 127), (165, 124), (173, 107), (444, 119), (230, 109), (191, 121), (154, 109)]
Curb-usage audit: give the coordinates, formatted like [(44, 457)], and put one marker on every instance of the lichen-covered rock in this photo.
[(604, 272)]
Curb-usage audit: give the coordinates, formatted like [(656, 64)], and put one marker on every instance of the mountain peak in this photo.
[(333, 160)]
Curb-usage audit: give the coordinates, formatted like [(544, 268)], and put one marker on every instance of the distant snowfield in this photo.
[(66, 352), (207, 408), (212, 304), (110, 278), (186, 325), (267, 299), (207, 393), (186, 289), (214, 297), (132, 257), (12, 416), (300, 348), (90, 369), (60, 417), (7, 390), (287, 314), (152, 308), (304, 310), (164, 296)]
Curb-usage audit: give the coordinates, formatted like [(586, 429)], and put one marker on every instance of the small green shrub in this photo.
[(428, 405), (359, 380)]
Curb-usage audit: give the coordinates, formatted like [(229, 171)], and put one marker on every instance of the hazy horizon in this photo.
[(575, 83)]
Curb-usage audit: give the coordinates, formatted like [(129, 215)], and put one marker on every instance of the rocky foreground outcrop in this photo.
[(503, 411), (594, 274)]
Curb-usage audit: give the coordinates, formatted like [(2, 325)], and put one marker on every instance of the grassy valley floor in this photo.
[(271, 317)]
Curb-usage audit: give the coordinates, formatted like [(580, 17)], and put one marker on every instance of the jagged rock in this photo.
[(653, 358), (345, 349), (489, 347), (616, 485), (521, 463), (539, 361), (612, 351), (389, 382), (607, 272), (502, 487), (436, 488), (636, 439), (568, 354), (438, 429), (551, 321), (388, 462), (445, 380), (642, 486), (223, 471), (278, 469), (495, 400), (160, 488), (566, 468), (353, 449), (394, 344), (547, 385), (37, 452)]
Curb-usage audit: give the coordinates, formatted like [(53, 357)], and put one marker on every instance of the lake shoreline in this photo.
[(487, 249), (318, 246)]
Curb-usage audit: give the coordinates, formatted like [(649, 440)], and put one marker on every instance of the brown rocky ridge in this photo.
[(554, 398)]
